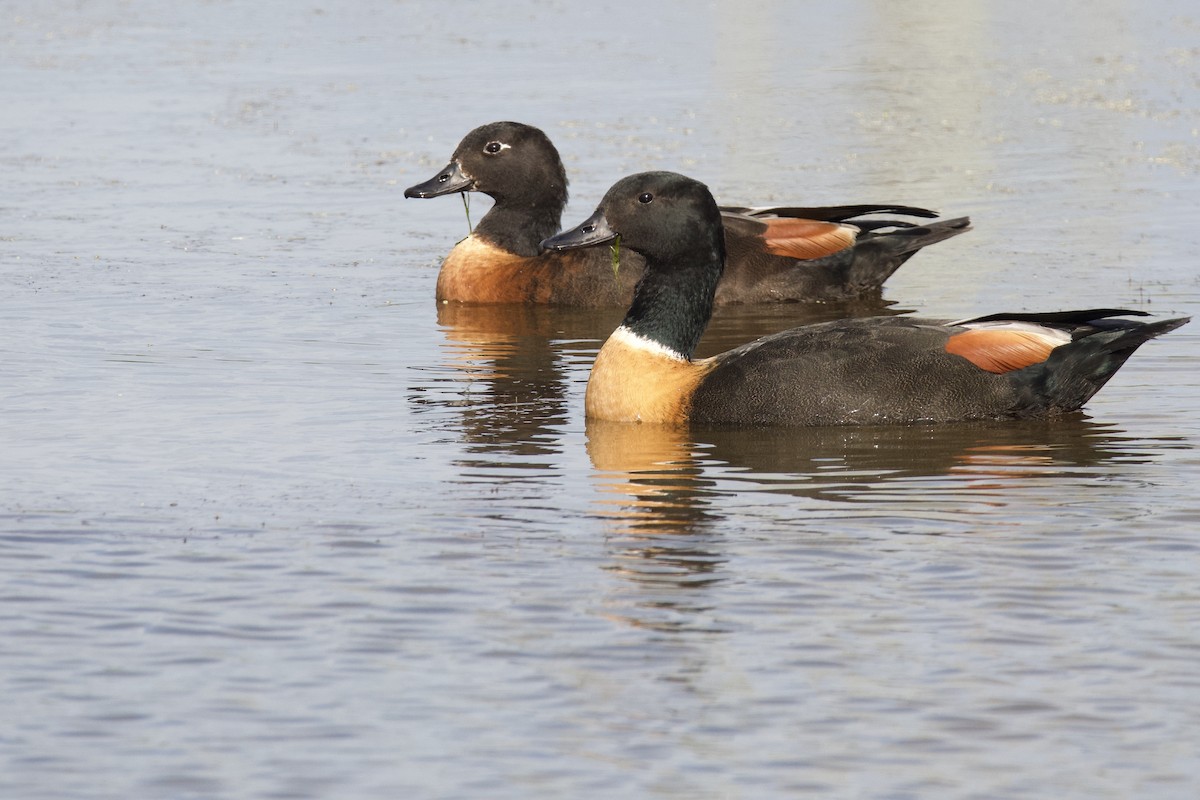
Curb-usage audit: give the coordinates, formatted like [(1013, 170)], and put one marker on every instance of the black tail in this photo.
[(1080, 322), (879, 254), (1074, 372)]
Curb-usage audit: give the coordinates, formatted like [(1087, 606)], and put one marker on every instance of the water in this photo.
[(274, 525)]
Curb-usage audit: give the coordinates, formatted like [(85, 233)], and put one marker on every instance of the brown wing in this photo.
[(805, 238), (1001, 351)]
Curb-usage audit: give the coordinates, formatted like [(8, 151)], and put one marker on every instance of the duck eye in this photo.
[(493, 147), (645, 197)]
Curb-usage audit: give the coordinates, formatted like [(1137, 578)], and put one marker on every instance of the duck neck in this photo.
[(526, 211), (520, 228), (673, 302)]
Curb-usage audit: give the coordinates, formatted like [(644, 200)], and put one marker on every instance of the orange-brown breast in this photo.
[(632, 383), (1000, 350), (807, 239), (476, 271)]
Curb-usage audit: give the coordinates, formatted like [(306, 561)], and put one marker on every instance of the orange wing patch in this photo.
[(1001, 351), (806, 238)]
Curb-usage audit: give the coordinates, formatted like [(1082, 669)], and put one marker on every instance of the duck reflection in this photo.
[(649, 478), (867, 464), (510, 367), (849, 464), (653, 494), (665, 493)]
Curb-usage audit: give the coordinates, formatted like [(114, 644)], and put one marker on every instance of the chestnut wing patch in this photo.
[(999, 350), (806, 238)]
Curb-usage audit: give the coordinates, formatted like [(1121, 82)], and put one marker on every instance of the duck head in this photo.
[(669, 218), (508, 161), (673, 222)]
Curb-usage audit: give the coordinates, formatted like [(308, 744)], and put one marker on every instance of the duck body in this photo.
[(877, 370), (818, 254), (895, 370)]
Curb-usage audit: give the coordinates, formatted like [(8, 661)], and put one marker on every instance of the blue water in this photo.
[(275, 525)]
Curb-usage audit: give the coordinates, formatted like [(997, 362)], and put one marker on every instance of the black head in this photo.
[(508, 161), (667, 217)]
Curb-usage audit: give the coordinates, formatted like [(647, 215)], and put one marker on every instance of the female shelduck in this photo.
[(774, 254)]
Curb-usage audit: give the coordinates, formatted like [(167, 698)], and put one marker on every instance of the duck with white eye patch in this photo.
[(876, 370), (818, 254)]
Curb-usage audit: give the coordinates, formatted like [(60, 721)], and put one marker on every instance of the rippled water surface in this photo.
[(274, 525)]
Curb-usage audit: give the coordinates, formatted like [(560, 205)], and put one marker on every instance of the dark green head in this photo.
[(664, 216)]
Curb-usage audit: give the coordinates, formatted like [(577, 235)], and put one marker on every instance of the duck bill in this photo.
[(593, 230), (450, 179)]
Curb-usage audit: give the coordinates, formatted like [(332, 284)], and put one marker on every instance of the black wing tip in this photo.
[(831, 213), (1062, 317), (953, 227)]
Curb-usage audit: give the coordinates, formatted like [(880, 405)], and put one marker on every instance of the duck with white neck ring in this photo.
[(876, 370)]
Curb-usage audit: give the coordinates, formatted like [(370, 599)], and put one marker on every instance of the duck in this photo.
[(866, 370), (775, 254)]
